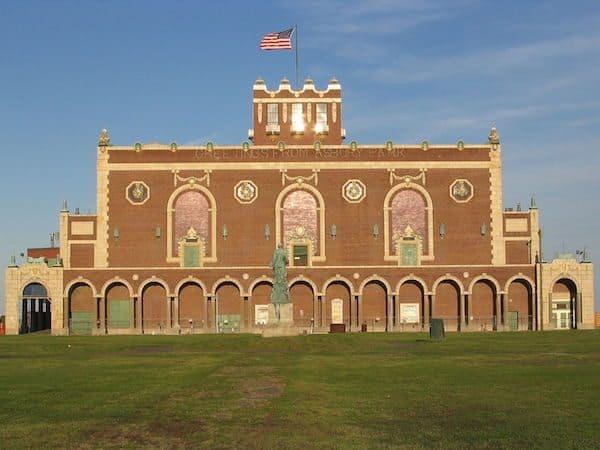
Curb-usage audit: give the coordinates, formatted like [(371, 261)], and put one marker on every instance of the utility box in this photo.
[(436, 329)]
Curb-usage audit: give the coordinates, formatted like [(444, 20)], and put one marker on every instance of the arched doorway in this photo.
[(447, 304), (36, 312), (83, 309), (259, 304), (155, 307), (192, 307), (374, 304), (119, 307), (482, 314), (302, 297), (564, 308), (411, 306), (228, 308), (338, 305), (519, 306)]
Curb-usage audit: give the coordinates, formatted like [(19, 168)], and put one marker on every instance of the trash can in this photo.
[(436, 329)]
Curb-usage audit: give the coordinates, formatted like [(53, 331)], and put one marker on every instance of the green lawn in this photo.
[(494, 390)]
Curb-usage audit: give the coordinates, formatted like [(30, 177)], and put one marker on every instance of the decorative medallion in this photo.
[(137, 193), (461, 191), (354, 191), (245, 191)]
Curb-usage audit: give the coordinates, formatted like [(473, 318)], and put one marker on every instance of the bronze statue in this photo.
[(280, 293)]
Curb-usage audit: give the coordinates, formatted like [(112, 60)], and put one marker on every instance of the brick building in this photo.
[(382, 236)]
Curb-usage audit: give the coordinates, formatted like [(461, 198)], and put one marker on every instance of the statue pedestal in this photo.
[(281, 324)]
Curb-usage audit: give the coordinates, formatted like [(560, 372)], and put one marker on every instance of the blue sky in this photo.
[(410, 70)]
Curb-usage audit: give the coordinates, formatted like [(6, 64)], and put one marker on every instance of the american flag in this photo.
[(281, 40)]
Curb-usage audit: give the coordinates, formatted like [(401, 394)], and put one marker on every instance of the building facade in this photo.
[(379, 237)]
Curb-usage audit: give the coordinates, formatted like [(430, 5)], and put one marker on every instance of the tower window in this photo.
[(272, 114), (297, 118), (321, 123)]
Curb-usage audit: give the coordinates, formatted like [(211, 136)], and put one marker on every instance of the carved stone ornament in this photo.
[(245, 191), (354, 191), (137, 193), (104, 139), (494, 137), (461, 191)]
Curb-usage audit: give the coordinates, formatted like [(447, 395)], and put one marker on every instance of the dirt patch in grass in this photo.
[(259, 390), (168, 433), (149, 349)]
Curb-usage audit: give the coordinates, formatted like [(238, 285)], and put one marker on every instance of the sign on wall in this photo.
[(261, 314), (337, 311), (409, 312)]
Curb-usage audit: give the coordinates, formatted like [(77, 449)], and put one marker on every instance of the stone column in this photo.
[(243, 300), (102, 318), (505, 312), (361, 314), (65, 314), (426, 315), (578, 310), (132, 315), (432, 306), (323, 308), (169, 312), (497, 317), (461, 307), (139, 321), (176, 319), (468, 298), (389, 325)]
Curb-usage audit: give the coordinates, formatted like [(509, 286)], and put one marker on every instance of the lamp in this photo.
[(442, 230), (157, 232), (375, 231), (116, 233), (267, 232), (333, 231), (225, 233)]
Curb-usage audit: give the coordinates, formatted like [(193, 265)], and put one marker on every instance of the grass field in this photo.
[(494, 390)]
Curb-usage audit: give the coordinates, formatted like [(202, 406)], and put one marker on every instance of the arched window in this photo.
[(408, 210), (191, 211), (191, 226), (300, 223), (408, 217)]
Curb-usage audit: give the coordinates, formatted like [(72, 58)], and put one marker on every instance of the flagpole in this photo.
[(296, 30)]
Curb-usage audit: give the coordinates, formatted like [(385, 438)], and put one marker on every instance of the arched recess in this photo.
[(411, 303), (36, 311), (302, 297), (228, 306), (155, 306), (447, 302), (311, 234), (84, 310), (483, 314), (375, 305), (207, 225), (259, 302), (192, 305), (408, 211), (338, 302), (565, 306), (119, 305), (519, 304)]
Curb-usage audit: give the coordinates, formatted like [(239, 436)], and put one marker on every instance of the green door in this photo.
[(81, 322), (513, 320), (118, 313), (409, 254), (191, 256)]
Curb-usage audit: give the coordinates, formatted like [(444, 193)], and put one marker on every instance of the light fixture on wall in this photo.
[(225, 232), (116, 233), (267, 231), (333, 231), (483, 229), (442, 230), (375, 231), (157, 232)]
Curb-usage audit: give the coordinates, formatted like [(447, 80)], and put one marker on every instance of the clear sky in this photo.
[(410, 70)]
